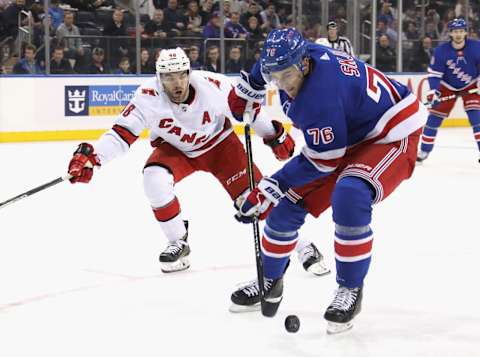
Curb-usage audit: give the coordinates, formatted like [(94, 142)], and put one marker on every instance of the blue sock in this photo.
[(352, 201), (430, 132), (474, 118), (280, 237)]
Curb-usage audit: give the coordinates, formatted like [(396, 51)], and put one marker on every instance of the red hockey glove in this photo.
[(281, 143), (243, 95), (258, 202), (82, 163)]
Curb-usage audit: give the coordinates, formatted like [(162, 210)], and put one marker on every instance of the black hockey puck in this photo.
[(292, 323)]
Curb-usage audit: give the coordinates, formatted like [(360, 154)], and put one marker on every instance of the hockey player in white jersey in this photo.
[(188, 115)]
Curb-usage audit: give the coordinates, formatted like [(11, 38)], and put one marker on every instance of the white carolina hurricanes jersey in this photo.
[(193, 128)]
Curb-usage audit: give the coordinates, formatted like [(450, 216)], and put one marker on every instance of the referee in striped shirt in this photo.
[(334, 41)]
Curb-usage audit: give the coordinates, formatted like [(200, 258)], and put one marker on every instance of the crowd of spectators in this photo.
[(83, 30), (98, 36)]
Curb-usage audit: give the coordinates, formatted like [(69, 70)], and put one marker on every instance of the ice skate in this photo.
[(312, 260), (247, 297), (175, 257), (422, 156), (344, 307)]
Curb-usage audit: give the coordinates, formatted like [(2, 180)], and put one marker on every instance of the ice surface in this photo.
[(79, 274)]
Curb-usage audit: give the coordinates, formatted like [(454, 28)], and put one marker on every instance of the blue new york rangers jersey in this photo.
[(455, 69), (343, 102)]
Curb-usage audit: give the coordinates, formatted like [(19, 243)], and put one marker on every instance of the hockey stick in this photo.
[(33, 191), (256, 230), (453, 96)]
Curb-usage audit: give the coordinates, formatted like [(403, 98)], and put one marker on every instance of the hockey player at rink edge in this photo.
[(454, 68), (189, 118), (361, 130)]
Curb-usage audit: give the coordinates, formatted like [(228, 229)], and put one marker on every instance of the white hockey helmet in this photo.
[(172, 60)]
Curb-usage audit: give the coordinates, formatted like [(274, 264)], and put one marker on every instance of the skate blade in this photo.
[(318, 269), (334, 328), (180, 265), (244, 308)]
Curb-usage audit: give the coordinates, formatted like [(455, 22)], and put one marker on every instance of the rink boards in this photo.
[(82, 108)]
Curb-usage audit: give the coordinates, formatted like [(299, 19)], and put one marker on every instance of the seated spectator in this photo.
[(235, 28), (58, 64), (234, 63), (194, 20), (56, 12), (270, 17), (157, 27), (227, 12), (431, 31), (385, 14), (174, 17), (212, 29), (254, 30), (206, 11), (156, 55), (39, 33), (411, 33), (433, 17), (383, 29), (282, 15), (73, 46), (194, 56), (421, 57), (213, 59), (97, 64), (10, 19), (386, 56), (116, 27), (253, 10), (36, 10), (146, 65), (123, 66), (28, 64)]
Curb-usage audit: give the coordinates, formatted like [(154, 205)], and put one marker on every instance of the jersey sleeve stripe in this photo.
[(408, 122), (433, 72), (409, 110), (125, 134)]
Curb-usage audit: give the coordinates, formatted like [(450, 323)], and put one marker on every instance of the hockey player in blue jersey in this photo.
[(454, 69), (361, 130)]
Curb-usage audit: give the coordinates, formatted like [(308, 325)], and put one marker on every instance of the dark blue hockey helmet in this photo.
[(282, 49), (457, 24)]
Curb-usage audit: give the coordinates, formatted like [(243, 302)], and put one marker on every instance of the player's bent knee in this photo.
[(286, 217), (352, 200), (158, 185)]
